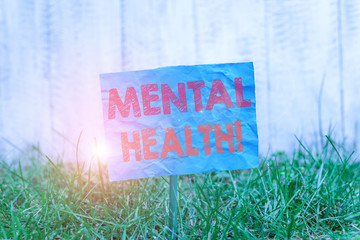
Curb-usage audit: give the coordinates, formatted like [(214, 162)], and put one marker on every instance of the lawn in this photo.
[(304, 195)]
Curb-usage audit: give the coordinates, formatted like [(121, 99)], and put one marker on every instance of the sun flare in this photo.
[(101, 151)]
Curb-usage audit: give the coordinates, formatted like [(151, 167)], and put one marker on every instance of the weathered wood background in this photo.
[(306, 55)]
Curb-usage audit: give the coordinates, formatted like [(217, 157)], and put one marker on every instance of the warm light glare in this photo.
[(102, 151)]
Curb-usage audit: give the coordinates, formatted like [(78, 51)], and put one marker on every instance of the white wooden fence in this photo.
[(306, 56)]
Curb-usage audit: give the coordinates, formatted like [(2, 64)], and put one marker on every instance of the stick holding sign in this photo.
[(180, 120), (173, 206)]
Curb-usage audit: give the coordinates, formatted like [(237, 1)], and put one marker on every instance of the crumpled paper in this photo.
[(179, 121)]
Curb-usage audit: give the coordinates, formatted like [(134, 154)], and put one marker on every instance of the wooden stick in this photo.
[(173, 206)]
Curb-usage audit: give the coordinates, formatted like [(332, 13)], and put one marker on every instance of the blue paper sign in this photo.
[(180, 120)]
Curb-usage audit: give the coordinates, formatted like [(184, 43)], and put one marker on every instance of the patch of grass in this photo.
[(306, 195)]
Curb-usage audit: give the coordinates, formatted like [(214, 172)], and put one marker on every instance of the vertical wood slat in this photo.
[(4, 72)]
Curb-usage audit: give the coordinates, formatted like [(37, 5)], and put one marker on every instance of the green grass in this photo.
[(305, 195)]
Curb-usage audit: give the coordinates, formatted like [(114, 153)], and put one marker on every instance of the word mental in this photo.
[(151, 93)]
